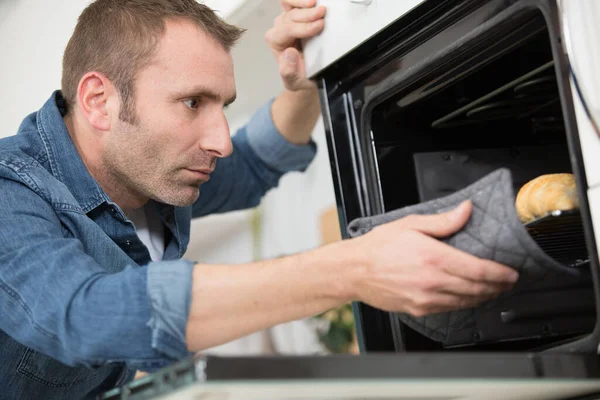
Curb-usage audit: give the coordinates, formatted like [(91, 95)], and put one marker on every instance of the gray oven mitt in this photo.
[(493, 232)]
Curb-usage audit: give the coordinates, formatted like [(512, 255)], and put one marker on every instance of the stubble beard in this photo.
[(159, 182)]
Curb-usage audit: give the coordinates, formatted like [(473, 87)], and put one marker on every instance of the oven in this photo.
[(422, 99), (440, 95)]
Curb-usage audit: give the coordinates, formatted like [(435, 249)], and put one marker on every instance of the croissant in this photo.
[(545, 194)]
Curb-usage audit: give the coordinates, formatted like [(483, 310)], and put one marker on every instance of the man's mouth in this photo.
[(201, 173)]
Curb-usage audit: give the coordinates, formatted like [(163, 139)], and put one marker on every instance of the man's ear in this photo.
[(94, 96)]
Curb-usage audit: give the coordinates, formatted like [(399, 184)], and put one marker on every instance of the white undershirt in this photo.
[(150, 230)]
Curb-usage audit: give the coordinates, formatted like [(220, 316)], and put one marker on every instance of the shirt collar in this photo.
[(65, 162)]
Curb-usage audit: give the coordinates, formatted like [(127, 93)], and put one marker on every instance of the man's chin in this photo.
[(183, 198)]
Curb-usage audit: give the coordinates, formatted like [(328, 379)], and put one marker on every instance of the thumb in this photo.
[(440, 225), (291, 69)]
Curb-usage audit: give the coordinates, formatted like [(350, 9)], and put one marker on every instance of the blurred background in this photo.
[(298, 215)]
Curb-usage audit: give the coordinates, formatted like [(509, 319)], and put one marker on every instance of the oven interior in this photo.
[(443, 134)]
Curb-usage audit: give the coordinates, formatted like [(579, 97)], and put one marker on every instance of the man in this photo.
[(99, 186)]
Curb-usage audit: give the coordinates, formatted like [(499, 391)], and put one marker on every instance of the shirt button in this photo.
[(128, 243)]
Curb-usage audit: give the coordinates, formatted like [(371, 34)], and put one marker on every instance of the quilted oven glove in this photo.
[(493, 232)]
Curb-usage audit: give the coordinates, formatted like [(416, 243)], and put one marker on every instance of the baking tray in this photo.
[(560, 234)]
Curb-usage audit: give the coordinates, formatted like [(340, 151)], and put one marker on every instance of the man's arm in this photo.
[(59, 300), (397, 267), (296, 110), (295, 114), (232, 301)]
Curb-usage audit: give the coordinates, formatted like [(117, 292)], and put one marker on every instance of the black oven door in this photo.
[(483, 81)]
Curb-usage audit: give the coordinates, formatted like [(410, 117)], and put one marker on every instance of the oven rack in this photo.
[(560, 235), (524, 97)]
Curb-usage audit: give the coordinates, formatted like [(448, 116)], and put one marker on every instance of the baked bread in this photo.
[(545, 194)]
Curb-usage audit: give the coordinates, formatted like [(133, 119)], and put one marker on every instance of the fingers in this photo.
[(434, 303), (297, 23), (437, 291), (304, 30), (467, 266), (305, 14), (286, 5), (439, 225), (450, 259), (462, 287), (285, 35)]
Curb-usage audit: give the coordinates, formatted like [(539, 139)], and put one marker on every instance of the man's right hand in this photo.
[(403, 268)]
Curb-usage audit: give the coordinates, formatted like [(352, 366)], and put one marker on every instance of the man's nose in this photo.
[(216, 138)]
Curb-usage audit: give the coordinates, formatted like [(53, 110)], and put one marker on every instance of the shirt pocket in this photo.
[(49, 372)]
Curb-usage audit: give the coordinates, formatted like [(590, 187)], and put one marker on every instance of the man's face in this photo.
[(181, 128)]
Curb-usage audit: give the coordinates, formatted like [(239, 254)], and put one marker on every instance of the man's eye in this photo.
[(192, 104)]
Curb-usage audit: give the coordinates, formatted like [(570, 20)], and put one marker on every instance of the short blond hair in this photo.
[(119, 37)]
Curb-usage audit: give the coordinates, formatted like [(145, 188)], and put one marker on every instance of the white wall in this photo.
[(33, 34)]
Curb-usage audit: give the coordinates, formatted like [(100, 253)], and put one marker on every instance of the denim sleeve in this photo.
[(261, 155), (170, 296), (59, 301)]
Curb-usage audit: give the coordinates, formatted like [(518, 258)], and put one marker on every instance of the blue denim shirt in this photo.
[(82, 304)]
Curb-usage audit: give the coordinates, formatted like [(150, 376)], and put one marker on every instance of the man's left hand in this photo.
[(300, 19)]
